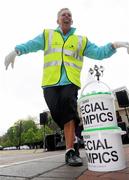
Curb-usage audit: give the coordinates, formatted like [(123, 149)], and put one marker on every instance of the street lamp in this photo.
[(97, 71)]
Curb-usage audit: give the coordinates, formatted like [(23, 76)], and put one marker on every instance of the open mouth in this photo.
[(66, 21)]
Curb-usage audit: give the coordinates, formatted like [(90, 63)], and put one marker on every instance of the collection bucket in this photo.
[(97, 110), (104, 149)]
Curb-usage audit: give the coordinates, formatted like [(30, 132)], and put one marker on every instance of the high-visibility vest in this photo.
[(58, 52)]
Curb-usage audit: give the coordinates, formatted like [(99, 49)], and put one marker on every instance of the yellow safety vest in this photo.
[(58, 52)]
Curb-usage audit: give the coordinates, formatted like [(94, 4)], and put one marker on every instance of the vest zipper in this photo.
[(63, 58)]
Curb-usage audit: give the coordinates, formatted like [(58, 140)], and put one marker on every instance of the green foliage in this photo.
[(27, 132)]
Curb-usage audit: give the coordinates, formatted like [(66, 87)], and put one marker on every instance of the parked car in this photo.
[(1, 147), (24, 147)]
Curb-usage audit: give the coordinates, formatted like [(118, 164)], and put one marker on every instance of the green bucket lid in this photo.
[(102, 129), (95, 93)]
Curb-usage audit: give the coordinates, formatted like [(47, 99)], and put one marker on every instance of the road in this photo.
[(37, 165), (11, 157)]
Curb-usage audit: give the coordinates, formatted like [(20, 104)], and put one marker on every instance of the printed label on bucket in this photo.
[(104, 151), (97, 111)]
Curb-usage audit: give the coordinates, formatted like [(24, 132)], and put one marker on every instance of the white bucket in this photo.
[(97, 110), (104, 150)]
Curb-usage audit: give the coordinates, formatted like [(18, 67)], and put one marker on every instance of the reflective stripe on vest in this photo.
[(53, 63), (58, 63), (66, 52), (58, 52)]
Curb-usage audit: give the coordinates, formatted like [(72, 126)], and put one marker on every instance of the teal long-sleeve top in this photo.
[(91, 51)]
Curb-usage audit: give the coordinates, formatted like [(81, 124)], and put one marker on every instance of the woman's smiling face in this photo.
[(65, 19)]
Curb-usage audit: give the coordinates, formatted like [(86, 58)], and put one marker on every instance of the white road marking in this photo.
[(22, 162)]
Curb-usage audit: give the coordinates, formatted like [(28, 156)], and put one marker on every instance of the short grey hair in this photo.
[(63, 9)]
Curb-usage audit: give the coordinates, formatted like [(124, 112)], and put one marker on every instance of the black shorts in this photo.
[(62, 103)]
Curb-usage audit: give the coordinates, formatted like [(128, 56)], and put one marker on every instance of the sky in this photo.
[(102, 21)]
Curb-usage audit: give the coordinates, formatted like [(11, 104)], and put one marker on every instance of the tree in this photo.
[(26, 131)]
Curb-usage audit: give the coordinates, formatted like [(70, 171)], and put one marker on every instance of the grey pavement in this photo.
[(51, 166), (46, 168)]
